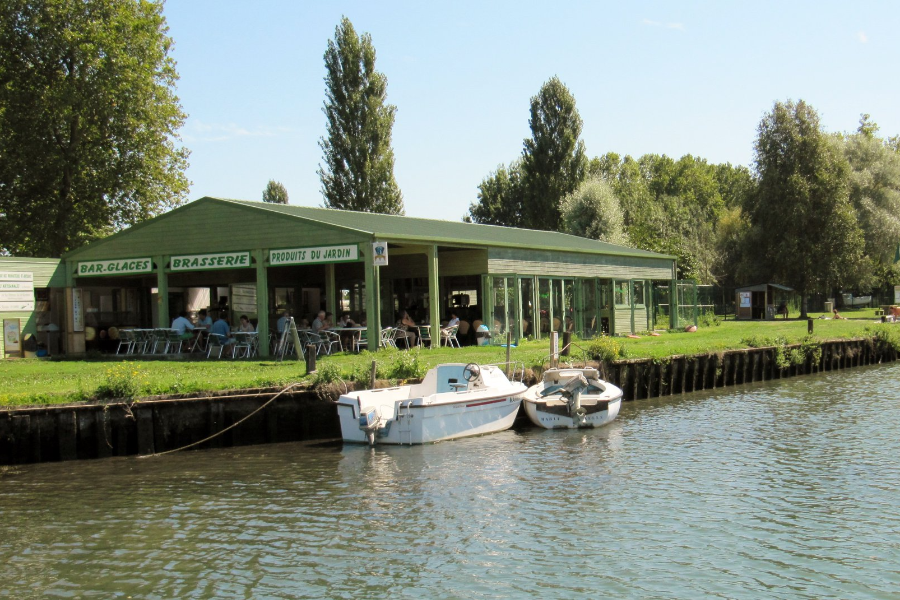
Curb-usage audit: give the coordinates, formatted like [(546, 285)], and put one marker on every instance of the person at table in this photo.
[(454, 320), (318, 323), (346, 321), (183, 326), (329, 320), (203, 319), (246, 326), (283, 321), (407, 330), (222, 328)]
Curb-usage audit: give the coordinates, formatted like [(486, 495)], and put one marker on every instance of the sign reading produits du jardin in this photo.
[(125, 266), (200, 262), (314, 255)]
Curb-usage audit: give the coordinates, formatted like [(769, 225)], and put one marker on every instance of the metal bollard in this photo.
[(809, 326), (567, 339)]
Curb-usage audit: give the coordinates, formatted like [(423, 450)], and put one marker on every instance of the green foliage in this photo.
[(553, 158), (709, 319), (123, 380), (594, 211), (275, 193), (605, 348), (89, 122), (500, 198), (809, 348), (406, 365), (885, 336), (359, 160), (328, 372), (803, 228)]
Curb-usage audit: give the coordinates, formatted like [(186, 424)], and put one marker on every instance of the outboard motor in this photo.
[(369, 421), (572, 392)]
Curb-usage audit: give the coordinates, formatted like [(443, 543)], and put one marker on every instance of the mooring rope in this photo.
[(232, 426)]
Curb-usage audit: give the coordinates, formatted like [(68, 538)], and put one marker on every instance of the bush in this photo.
[(406, 365), (605, 349), (123, 380)]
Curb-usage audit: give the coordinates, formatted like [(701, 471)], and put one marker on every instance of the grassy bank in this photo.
[(24, 382)]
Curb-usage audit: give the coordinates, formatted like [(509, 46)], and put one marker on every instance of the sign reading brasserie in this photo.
[(126, 266), (315, 254), (200, 262), (16, 291)]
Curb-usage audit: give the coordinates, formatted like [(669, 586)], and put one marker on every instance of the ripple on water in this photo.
[(784, 489)]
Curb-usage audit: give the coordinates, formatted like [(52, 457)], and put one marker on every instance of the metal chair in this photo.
[(361, 340), (448, 336), (215, 340), (126, 340), (387, 337), (330, 339)]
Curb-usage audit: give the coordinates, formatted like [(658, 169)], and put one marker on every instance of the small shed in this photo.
[(760, 301)]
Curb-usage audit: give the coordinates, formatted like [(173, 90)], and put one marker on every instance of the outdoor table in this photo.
[(247, 341)]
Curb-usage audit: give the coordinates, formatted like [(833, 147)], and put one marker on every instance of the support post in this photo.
[(673, 303), (262, 301), (331, 303), (162, 292), (434, 300), (373, 300)]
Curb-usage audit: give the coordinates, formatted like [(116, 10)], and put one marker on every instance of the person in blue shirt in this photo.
[(203, 319), (223, 329)]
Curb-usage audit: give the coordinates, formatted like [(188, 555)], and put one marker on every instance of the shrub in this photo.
[(123, 380), (605, 348), (406, 365)]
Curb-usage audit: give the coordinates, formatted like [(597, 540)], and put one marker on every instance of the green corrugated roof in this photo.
[(397, 228)]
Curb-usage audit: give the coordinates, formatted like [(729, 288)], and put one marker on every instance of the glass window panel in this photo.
[(638, 292), (544, 304), (621, 293), (526, 293)]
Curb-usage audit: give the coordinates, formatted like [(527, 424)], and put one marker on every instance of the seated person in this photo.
[(837, 315), (407, 330), (346, 321), (246, 326), (318, 323), (183, 326), (283, 321), (329, 321), (454, 320), (223, 329), (203, 319)]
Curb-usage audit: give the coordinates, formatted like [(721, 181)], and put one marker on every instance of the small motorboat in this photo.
[(453, 401), (571, 398)]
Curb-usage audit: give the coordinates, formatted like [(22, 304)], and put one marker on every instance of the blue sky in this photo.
[(669, 78)]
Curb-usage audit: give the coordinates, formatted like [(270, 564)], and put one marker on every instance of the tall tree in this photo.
[(500, 198), (553, 158), (89, 121), (803, 227), (275, 193), (359, 161)]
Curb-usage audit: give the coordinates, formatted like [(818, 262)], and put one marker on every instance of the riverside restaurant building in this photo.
[(260, 260)]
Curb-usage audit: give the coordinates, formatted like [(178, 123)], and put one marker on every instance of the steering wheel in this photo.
[(471, 372)]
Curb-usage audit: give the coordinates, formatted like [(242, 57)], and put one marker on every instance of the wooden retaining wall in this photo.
[(53, 433), (652, 378)]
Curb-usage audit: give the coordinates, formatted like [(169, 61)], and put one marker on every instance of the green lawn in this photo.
[(35, 381)]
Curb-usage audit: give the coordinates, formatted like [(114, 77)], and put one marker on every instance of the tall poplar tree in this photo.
[(359, 162), (553, 159), (804, 231), (89, 121)]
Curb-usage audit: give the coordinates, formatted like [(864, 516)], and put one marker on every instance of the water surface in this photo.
[(784, 489)]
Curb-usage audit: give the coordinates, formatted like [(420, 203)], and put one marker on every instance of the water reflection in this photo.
[(783, 489)]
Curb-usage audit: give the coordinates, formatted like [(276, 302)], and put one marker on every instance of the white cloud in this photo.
[(198, 131), (863, 38), (678, 26)]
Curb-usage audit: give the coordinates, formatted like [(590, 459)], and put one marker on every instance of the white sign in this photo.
[(77, 310), (313, 255), (11, 332), (16, 276), (202, 262), (745, 299), (16, 291), (380, 254), (126, 266)]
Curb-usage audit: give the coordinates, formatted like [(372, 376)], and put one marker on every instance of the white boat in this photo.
[(570, 398), (851, 300), (453, 401)]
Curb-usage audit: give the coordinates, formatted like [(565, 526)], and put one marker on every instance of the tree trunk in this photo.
[(803, 303)]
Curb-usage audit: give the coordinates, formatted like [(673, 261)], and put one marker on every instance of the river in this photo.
[(784, 489)]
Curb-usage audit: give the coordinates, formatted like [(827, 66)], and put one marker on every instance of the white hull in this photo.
[(454, 410), (599, 405)]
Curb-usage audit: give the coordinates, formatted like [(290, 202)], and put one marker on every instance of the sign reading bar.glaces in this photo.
[(124, 266)]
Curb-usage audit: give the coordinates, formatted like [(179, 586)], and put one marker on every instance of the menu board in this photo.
[(16, 291), (11, 336)]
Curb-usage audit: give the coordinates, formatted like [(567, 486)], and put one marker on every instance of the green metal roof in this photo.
[(393, 228)]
